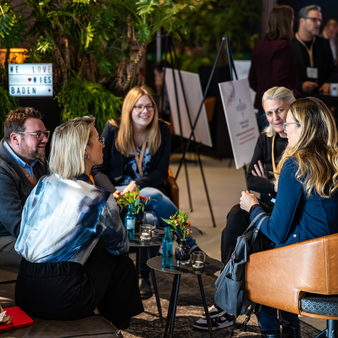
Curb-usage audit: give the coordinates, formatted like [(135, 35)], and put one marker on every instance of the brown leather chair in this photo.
[(301, 278), (172, 188)]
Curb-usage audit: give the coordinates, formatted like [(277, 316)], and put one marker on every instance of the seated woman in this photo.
[(269, 148), (136, 154), (307, 201), (72, 240)]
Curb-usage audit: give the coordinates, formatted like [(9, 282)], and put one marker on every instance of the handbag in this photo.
[(230, 285)]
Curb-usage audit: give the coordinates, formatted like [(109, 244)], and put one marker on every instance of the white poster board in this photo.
[(242, 69), (30, 79), (241, 120), (193, 93)]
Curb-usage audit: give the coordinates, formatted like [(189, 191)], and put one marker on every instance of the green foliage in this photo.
[(179, 224), (133, 197), (79, 97), (7, 103)]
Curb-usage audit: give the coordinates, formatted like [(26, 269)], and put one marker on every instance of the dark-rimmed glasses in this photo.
[(37, 134), (313, 19), (140, 107)]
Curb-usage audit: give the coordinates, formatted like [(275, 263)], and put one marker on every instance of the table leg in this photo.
[(199, 277), (172, 306), (153, 278)]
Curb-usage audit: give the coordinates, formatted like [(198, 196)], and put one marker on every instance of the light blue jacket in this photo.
[(63, 219)]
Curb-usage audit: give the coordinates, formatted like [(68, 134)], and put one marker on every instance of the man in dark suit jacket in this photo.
[(313, 54), (22, 163)]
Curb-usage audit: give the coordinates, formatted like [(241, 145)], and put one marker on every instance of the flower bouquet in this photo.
[(180, 226), (135, 199)]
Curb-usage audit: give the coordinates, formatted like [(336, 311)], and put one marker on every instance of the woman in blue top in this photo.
[(72, 240), (136, 154), (307, 199)]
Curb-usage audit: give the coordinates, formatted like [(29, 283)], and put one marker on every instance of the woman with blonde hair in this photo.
[(260, 178), (307, 200), (136, 154), (72, 240)]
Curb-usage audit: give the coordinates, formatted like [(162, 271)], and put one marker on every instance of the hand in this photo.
[(130, 187), (259, 170), (325, 88), (247, 200), (309, 86), (117, 194)]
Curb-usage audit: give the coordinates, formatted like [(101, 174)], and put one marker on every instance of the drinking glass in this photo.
[(197, 260)]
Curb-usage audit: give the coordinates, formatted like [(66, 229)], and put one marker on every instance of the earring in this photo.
[(87, 157)]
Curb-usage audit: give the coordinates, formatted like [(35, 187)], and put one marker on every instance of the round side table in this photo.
[(211, 266)]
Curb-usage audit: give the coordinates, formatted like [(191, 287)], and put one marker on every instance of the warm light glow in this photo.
[(16, 55)]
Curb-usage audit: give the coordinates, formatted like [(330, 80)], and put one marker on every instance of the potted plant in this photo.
[(180, 226)]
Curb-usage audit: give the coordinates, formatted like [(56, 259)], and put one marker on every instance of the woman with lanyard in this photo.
[(136, 154)]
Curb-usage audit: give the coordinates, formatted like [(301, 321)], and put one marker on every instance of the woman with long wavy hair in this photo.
[(307, 199), (136, 154)]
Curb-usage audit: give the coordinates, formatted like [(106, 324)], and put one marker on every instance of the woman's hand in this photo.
[(116, 194), (247, 200), (259, 170), (130, 187)]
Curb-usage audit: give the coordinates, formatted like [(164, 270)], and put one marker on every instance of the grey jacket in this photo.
[(14, 190)]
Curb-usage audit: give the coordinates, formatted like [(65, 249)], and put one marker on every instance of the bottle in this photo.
[(167, 249), (129, 222)]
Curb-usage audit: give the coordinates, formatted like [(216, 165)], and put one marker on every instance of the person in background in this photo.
[(307, 201), (72, 240), (272, 60), (260, 178), (329, 32), (313, 54), (22, 163), (136, 154)]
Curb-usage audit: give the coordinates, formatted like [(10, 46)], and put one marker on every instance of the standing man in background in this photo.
[(312, 53), (22, 163)]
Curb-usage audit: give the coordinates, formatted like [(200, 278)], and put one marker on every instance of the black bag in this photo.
[(230, 285)]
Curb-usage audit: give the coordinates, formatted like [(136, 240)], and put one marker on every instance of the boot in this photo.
[(271, 334)]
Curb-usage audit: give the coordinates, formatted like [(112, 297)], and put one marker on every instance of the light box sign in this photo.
[(30, 79)]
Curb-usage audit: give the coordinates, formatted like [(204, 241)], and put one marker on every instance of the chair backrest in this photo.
[(279, 277)]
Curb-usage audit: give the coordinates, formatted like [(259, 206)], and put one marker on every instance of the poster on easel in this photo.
[(178, 105), (240, 118)]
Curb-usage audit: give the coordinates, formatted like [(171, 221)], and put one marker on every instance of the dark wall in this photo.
[(329, 7)]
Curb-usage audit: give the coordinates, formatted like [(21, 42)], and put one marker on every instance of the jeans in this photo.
[(269, 322)]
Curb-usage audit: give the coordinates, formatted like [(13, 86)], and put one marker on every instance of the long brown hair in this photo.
[(316, 149), (280, 23), (125, 136)]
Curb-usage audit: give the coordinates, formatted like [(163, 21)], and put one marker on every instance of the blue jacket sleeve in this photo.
[(278, 227)]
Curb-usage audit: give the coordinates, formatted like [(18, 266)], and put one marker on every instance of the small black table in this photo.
[(138, 245), (211, 266)]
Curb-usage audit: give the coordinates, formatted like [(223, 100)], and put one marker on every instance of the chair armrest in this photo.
[(173, 188), (278, 277)]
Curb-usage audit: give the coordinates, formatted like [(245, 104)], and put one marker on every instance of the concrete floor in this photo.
[(225, 185)]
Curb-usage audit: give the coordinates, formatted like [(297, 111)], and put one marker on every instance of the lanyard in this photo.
[(309, 50), (31, 179), (273, 156), (138, 158)]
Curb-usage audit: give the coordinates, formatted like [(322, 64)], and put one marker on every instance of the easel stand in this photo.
[(232, 69), (192, 135)]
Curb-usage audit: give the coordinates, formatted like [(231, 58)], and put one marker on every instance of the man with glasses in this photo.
[(312, 53), (22, 163)]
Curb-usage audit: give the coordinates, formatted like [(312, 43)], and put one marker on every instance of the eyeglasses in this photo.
[(285, 124), (101, 140), (140, 107), (38, 134), (313, 19)]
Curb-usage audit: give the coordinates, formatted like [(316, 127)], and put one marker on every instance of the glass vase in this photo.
[(182, 253)]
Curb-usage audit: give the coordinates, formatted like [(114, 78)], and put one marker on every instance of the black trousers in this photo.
[(237, 222), (68, 290)]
